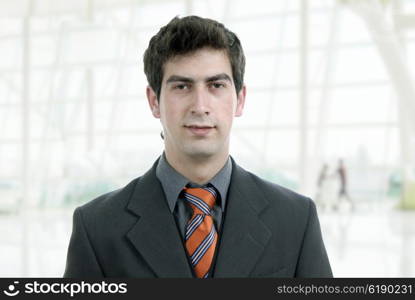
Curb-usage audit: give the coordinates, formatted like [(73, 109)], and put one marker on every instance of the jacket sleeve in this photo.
[(81, 259), (313, 260)]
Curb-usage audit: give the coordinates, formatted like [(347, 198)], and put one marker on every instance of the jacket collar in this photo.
[(155, 234), (244, 236)]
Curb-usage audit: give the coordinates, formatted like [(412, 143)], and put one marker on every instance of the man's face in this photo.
[(197, 104)]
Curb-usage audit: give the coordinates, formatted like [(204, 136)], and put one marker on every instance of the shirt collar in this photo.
[(173, 182)]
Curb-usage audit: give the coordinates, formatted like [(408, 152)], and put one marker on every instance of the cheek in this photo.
[(227, 114), (171, 116), (230, 109)]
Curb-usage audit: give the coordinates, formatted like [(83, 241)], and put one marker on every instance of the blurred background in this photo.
[(330, 113)]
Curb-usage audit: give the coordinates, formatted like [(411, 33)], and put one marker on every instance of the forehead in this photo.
[(199, 64)]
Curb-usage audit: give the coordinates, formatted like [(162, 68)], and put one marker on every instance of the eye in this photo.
[(217, 85), (181, 86)]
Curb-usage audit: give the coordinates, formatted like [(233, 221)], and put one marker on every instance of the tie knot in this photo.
[(201, 199)]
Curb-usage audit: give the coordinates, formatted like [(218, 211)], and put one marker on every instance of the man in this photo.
[(342, 175), (196, 213)]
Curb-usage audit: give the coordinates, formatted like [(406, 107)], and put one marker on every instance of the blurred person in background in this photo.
[(196, 212), (343, 193), (321, 181)]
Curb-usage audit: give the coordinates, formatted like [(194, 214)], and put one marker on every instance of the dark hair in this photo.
[(186, 35)]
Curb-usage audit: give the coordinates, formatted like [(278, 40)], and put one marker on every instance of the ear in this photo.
[(153, 102), (240, 101)]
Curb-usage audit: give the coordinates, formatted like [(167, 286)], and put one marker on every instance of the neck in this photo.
[(197, 170)]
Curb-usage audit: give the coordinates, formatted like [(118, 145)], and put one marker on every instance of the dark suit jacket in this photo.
[(268, 231)]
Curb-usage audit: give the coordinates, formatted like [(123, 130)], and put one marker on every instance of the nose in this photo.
[(200, 103)]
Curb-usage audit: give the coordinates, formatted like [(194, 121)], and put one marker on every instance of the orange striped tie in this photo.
[(201, 236)]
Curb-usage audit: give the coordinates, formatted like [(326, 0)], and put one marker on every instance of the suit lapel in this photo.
[(244, 236), (155, 235)]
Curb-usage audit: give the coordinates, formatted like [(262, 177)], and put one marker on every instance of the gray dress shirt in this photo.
[(173, 183)]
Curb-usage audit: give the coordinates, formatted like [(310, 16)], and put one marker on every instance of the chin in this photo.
[(200, 152)]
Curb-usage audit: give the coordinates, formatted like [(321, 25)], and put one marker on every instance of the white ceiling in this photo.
[(21, 8)]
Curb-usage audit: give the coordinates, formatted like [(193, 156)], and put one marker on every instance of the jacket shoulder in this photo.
[(280, 196), (108, 204)]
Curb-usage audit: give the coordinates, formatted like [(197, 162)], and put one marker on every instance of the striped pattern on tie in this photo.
[(201, 236)]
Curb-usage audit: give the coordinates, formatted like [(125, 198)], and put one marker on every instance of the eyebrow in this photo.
[(221, 76), (177, 78)]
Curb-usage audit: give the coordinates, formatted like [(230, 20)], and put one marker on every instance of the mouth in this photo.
[(200, 130)]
